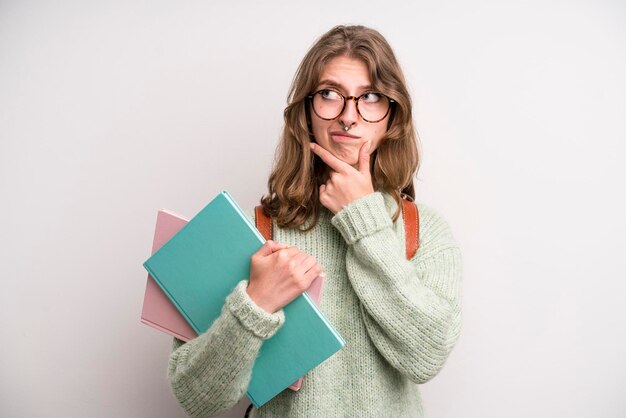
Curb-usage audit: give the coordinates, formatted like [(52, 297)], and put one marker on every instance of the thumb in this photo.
[(269, 247), (277, 246), (364, 158)]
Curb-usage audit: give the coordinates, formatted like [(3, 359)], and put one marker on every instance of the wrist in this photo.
[(362, 217), (256, 320), (261, 300)]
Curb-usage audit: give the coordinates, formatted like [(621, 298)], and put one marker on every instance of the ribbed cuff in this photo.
[(362, 217), (255, 319)]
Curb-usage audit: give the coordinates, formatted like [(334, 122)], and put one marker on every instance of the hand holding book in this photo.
[(279, 274), (201, 265)]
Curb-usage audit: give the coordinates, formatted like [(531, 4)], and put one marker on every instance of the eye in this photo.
[(371, 97), (330, 95)]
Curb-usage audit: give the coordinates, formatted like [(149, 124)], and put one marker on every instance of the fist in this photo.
[(279, 274)]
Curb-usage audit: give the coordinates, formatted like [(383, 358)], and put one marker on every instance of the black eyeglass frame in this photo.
[(356, 103)]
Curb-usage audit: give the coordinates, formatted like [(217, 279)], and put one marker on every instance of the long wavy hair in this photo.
[(297, 174)]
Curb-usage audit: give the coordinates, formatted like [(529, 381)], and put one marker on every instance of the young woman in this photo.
[(347, 157)]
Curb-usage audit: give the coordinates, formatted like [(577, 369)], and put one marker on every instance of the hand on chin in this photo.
[(345, 183), (349, 155)]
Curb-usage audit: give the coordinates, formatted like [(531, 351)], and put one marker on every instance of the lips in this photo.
[(342, 136)]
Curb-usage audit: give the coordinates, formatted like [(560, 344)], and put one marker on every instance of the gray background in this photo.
[(112, 110)]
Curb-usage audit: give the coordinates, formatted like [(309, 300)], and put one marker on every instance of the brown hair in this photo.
[(297, 174)]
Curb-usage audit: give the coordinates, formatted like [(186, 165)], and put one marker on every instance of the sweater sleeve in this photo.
[(411, 309), (211, 373)]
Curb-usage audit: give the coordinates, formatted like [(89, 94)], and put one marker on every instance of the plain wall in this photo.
[(112, 110)]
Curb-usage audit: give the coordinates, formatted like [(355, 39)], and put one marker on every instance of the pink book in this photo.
[(160, 313)]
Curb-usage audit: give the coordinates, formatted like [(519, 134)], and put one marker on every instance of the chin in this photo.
[(349, 159)]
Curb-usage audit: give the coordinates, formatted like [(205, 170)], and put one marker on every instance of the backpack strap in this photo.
[(410, 216), (263, 223)]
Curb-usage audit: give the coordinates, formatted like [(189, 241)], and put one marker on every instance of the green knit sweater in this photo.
[(400, 320)]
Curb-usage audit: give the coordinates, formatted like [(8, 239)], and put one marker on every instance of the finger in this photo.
[(276, 246), (318, 282), (330, 160), (297, 262), (307, 263), (323, 196), (364, 158), (313, 273), (289, 252), (266, 249)]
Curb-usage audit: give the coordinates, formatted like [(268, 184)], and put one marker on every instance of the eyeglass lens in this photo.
[(329, 104)]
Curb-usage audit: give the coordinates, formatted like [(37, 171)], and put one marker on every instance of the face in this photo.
[(350, 77)]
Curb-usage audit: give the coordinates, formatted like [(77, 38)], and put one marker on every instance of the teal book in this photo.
[(201, 265)]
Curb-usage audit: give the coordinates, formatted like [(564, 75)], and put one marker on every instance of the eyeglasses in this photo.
[(371, 106)]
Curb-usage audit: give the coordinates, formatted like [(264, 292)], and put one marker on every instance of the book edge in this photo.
[(165, 330), (171, 298), (321, 315)]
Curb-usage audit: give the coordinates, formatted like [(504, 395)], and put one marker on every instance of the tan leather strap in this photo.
[(263, 223), (410, 216)]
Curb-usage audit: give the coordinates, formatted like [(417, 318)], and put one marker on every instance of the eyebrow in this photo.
[(338, 86)]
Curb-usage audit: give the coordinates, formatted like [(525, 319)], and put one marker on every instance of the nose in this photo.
[(350, 114)]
